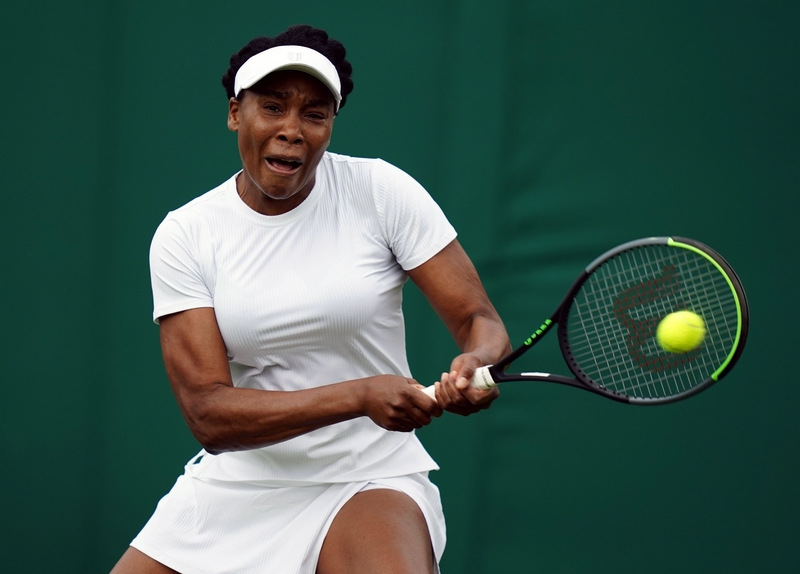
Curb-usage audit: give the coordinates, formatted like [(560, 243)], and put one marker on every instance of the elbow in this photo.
[(211, 444), (212, 450), (209, 437), (217, 439), (214, 441), (207, 426)]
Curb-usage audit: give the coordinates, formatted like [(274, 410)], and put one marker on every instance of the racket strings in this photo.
[(612, 322)]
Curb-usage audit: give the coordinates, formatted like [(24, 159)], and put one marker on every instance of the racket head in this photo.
[(607, 322)]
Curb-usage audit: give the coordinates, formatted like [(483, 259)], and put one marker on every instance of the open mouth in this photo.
[(282, 165)]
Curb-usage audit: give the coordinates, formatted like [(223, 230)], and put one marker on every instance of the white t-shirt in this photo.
[(307, 298)]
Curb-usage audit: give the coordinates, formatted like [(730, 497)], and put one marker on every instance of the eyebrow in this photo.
[(275, 94), (320, 102)]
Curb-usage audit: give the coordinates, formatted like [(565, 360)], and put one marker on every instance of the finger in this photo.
[(426, 405), (462, 383), (442, 389), (453, 401), (417, 417), (455, 395), (481, 398), (408, 418), (402, 427), (465, 375)]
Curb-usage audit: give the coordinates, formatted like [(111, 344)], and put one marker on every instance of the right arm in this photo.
[(225, 418)]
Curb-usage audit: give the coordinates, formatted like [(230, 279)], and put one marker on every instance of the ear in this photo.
[(233, 115)]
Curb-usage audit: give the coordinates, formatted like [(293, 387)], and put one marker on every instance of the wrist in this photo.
[(358, 390)]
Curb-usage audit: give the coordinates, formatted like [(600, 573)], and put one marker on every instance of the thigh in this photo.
[(376, 532), (136, 562)]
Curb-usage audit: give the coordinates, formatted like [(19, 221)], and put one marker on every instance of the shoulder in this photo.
[(375, 176), (189, 224), (341, 162), (202, 209), (339, 167), (204, 205)]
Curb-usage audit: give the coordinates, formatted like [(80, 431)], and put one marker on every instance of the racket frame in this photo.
[(498, 374)]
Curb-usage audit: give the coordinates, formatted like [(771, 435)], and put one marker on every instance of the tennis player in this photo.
[(278, 296)]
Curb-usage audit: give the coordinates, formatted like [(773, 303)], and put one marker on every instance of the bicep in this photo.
[(194, 354)]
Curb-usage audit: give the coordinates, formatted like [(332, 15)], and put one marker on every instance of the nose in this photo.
[(290, 129)]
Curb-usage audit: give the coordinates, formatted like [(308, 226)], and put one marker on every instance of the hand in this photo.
[(396, 404), (456, 395)]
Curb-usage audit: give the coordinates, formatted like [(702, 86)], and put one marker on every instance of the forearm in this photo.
[(453, 288), (225, 418), (484, 336)]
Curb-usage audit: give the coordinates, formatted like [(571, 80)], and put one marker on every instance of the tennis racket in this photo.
[(607, 324)]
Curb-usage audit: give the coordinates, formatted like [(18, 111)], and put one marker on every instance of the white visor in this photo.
[(289, 58)]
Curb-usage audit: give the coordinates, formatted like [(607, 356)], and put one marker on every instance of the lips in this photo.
[(284, 165)]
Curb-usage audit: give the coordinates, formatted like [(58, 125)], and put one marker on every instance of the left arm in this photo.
[(451, 284)]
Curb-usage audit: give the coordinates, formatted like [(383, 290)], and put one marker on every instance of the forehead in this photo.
[(293, 83)]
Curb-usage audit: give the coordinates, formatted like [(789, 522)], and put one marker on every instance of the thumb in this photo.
[(464, 379)]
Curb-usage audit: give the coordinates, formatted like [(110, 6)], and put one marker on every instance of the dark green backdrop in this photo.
[(549, 131)]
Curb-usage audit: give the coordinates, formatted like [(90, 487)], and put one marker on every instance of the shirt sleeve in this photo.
[(176, 270), (413, 224)]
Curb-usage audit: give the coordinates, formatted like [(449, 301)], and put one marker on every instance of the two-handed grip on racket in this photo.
[(481, 380)]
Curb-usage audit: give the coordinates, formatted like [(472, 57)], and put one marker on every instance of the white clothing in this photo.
[(222, 527), (307, 298)]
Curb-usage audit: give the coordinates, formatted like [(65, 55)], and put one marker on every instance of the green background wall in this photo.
[(548, 131)]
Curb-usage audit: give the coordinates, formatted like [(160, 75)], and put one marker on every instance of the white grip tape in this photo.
[(482, 380)]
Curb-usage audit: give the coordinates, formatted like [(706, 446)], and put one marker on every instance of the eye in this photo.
[(274, 108)]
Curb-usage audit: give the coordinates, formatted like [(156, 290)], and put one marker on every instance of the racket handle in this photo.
[(430, 391), (481, 380)]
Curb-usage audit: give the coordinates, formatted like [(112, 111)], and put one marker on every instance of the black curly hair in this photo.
[(300, 35)]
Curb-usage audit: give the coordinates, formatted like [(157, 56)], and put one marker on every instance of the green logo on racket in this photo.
[(538, 332)]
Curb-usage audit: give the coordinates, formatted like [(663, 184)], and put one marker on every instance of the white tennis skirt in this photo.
[(206, 526)]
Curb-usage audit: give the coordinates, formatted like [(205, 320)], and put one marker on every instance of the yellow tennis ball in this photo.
[(681, 332)]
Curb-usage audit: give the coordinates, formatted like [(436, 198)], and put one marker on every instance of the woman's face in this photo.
[(284, 126)]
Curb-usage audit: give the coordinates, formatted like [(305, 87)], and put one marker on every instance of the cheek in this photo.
[(249, 143), (322, 141)]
